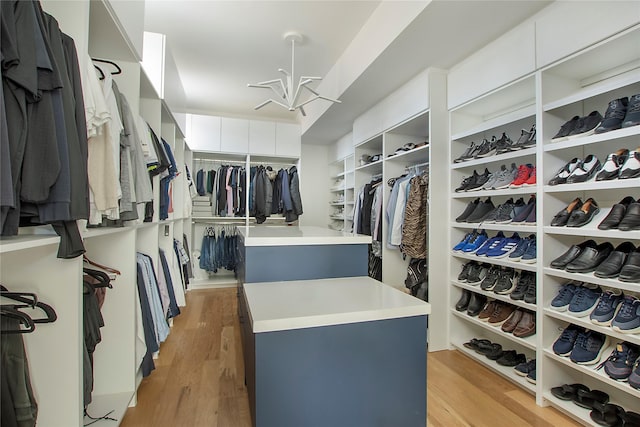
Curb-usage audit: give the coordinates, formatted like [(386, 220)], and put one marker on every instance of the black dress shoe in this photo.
[(631, 168), (616, 214), (562, 217), (631, 219), (463, 302), (571, 254), (590, 258), (584, 215), (611, 266), (476, 304), (631, 270)]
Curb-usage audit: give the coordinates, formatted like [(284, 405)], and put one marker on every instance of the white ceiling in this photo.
[(220, 46)]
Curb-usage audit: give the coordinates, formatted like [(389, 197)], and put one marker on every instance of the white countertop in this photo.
[(298, 304), (292, 235)]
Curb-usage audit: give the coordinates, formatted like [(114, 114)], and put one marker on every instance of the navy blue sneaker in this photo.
[(567, 339), (584, 301), (619, 365), (589, 347), (521, 248), (458, 247), (531, 254), (523, 369), (506, 246), (474, 244), (627, 320), (607, 307), (531, 376), (565, 294), (634, 378), (490, 243)]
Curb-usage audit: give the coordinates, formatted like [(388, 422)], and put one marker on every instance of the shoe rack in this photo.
[(574, 86), (483, 119), (579, 85)]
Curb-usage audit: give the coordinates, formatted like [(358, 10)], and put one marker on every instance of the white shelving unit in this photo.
[(548, 97), (28, 261)]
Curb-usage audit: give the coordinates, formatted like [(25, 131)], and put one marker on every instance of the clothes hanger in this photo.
[(100, 278), (103, 267), (24, 319), (30, 300), (106, 61)]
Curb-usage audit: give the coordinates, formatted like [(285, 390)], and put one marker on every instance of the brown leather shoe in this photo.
[(512, 321), (501, 313), (487, 310), (527, 325)]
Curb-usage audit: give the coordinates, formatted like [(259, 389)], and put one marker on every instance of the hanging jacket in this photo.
[(414, 229), (294, 188)]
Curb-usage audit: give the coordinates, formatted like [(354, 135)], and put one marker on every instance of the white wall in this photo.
[(313, 184)]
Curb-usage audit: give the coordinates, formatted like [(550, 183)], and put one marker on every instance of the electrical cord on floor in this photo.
[(95, 420)]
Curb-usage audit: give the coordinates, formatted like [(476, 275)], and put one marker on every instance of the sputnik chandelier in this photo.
[(287, 95)]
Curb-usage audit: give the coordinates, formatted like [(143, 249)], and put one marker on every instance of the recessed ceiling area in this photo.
[(220, 46)]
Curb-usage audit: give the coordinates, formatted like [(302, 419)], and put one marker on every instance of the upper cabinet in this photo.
[(262, 137), (558, 37), (288, 140), (240, 136), (234, 135)]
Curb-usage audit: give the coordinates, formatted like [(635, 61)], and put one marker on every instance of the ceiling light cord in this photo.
[(289, 95)]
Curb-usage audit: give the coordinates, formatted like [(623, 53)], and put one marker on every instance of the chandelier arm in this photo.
[(304, 113), (285, 93), (271, 100), (313, 98)]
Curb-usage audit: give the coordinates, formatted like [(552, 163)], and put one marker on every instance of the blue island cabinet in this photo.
[(336, 352)]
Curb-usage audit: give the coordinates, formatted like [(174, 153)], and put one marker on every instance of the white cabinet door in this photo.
[(288, 139), (262, 137), (203, 133), (234, 135)]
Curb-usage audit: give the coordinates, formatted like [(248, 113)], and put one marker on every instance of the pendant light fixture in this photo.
[(288, 96)]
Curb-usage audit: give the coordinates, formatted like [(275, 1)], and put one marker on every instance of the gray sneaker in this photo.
[(506, 178), (493, 178)]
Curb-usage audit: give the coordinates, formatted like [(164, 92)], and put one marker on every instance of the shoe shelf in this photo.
[(624, 136), (497, 158), (506, 228), (493, 295), (528, 342), (525, 112), (593, 185), (570, 409), (336, 189), (505, 371), (591, 230), (373, 168), (601, 68), (419, 154), (502, 192), (590, 278), (497, 261), (586, 323), (591, 371), (337, 203), (337, 217)]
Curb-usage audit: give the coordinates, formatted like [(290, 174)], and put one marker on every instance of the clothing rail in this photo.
[(218, 220)]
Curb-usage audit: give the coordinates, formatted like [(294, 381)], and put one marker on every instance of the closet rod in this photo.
[(236, 162), (418, 165)]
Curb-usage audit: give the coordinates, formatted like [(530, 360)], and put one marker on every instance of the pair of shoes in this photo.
[(511, 358), (577, 170), (468, 154), (506, 281), (468, 242), (526, 176), (504, 144), (463, 302), (576, 299), (504, 213), (608, 414), (473, 273), (476, 211), (525, 251), (524, 368), (619, 365), (621, 113), (500, 246), (612, 266), (583, 346), (476, 304), (623, 164), (496, 312), (525, 215), (578, 126), (527, 139), (473, 182), (525, 290), (521, 323), (576, 213), (624, 215), (583, 258)]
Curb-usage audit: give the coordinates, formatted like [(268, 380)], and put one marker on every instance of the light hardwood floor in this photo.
[(199, 381)]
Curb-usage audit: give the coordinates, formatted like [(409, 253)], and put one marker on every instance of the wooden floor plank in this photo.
[(199, 380)]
